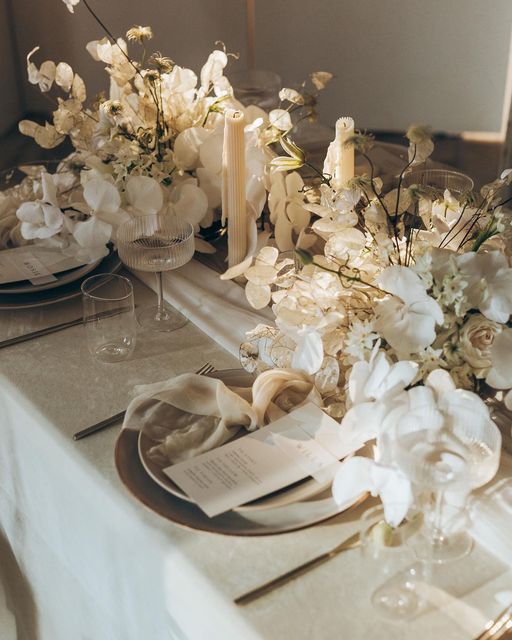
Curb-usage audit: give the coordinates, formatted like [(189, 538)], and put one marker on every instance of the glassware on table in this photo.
[(445, 464), (157, 243), (389, 562), (109, 317), (256, 87), (440, 179)]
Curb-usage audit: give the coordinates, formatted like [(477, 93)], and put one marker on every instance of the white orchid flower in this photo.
[(42, 218), (213, 70), (92, 235), (489, 280), (379, 377), (407, 319), (357, 475)]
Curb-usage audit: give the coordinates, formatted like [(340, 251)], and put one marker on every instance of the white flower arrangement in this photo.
[(396, 293), (153, 146)]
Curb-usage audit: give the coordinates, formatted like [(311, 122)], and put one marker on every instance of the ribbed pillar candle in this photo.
[(234, 207), (344, 158)]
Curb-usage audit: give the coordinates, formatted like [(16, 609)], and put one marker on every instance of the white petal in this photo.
[(352, 479), (64, 76), (30, 212), (280, 119), (211, 184), (394, 490), (283, 233), (192, 204), (258, 296), (92, 232), (144, 194), (309, 353), (53, 217), (101, 195), (186, 147)]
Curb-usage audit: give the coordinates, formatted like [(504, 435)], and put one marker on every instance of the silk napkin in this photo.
[(190, 414)]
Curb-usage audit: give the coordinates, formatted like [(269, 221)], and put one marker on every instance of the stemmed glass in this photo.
[(446, 463), (156, 243)]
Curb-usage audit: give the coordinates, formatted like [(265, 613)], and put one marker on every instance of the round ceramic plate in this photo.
[(64, 277), (261, 522), (154, 465), (9, 302)]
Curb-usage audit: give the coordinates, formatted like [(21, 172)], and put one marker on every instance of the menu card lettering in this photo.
[(305, 442)]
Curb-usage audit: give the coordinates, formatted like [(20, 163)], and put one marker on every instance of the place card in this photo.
[(34, 263), (305, 442)]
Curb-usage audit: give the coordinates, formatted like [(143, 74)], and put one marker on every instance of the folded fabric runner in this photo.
[(190, 414)]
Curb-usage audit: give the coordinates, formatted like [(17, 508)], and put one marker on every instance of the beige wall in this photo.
[(10, 100), (442, 62)]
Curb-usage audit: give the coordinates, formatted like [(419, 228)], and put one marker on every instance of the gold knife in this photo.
[(351, 543), (499, 627)]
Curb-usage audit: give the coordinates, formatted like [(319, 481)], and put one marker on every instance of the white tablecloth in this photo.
[(80, 559)]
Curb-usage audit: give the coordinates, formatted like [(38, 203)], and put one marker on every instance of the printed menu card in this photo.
[(305, 442)]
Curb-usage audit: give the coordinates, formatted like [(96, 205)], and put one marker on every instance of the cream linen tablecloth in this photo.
[(82, 560)]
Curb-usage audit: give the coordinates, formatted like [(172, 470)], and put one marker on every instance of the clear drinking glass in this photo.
[(109, 317), (389, 563), (157, 243), (445, 464), (440, 179)]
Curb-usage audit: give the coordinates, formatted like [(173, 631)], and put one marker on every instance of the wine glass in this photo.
[(393, 575), (440, 179), (156, 243), (256, 87), (446, 463)]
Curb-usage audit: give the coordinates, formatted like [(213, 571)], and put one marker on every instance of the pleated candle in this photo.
[(234, 207), (344, 158)]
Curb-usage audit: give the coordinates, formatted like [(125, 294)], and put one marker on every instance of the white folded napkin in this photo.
[(190, 414)]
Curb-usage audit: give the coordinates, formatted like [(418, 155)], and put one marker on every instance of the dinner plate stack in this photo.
[(297, 506), (24, 295)]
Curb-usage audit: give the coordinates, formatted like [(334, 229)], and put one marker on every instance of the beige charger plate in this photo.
[(260, 522)]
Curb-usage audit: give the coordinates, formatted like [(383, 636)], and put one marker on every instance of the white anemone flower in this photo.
[(41, 218), (407, 319)]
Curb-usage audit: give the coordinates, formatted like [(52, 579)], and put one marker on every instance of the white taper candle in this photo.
[(344, 156), (234, 207)]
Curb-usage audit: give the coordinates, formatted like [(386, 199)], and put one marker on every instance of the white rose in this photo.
[(476, 339)]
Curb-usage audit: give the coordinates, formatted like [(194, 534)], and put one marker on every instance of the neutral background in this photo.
[(441, 62)]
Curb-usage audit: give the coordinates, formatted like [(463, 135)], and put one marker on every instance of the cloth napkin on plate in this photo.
[(190, 414)]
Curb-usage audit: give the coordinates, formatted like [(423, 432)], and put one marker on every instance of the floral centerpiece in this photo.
[(388, 291), (153, 145)]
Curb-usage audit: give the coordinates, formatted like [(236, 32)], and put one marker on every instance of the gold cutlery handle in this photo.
[(275, 583), (499, 627)]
